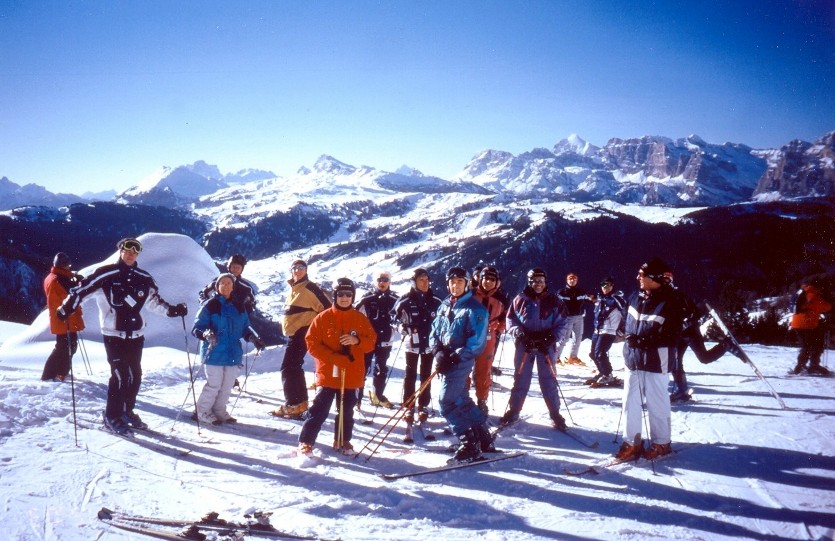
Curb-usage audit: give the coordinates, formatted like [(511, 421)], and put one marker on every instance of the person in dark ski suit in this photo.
[(415, 312), (608, 318), (338, 339), (691, 337), (378, 307), (220, 324), (537, 320), (244, 291), (809, 322), (575, 299), (304, 302), (458, 336), (122, 290), (653, 327), (56, 286)]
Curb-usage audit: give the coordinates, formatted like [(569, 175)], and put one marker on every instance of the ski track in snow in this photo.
[(744, 467)]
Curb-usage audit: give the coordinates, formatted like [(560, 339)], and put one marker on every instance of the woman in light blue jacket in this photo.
[(220, 324)]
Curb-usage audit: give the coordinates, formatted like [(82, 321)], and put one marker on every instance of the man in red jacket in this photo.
[(806, 321), (338, 339), (56, 286)]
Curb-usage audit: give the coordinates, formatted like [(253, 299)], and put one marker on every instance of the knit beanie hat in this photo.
[(61, 260), (656, 270)]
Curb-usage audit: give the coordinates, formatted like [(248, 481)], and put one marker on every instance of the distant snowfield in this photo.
[(745, 469)]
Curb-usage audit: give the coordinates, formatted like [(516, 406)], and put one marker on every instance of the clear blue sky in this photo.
[(97, 95)]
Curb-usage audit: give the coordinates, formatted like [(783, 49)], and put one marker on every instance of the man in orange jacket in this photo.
[(56, 286), (811, 305), (338, 339)]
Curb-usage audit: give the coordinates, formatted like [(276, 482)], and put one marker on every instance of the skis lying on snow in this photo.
[(210, 522), (448, 467), (594, 469), (744, 356)]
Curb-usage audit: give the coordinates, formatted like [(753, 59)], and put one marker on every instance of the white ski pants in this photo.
[(216, 391), (640, 386)]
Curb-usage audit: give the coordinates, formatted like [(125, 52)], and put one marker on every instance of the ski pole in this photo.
[(389, 370), (397, 416), (644, 410), (340, 429), (72, 383), (82, 347), (191, 377), (559, 389), (249, 367)]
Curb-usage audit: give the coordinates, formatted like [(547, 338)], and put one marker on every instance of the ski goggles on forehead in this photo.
[(132, 246)]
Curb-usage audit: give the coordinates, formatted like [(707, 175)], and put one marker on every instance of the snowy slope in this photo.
[(745, 469)]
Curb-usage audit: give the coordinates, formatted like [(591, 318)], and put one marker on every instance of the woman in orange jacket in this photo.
[(811, 305), (338, 340)]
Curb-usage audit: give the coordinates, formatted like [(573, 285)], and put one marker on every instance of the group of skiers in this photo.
[(457, 337)]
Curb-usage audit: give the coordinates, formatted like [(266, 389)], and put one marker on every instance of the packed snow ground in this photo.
[(745, 468)]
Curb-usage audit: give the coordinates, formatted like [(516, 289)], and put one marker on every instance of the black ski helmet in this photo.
[(536, 272), (459, 272), (62, 260), (344, 284), (236, 259), (490, 271)]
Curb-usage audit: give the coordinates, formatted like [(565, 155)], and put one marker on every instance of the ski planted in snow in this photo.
[(744, 356), (448, 467)]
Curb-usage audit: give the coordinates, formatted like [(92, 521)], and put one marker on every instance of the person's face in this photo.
[(457, 286), (383, 282), (236, 269), (537, 284), (298, 272), (225, 286), (606, 288), (422, 283), (344, 298), (488, 283), (128, 256), (571, 280), (646, 283)]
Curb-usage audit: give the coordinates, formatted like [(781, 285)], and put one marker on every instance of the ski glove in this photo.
[(517, 332), (177, 311), (210, 337), (61, 314), (446, 361), (637, 342), (258, 343)]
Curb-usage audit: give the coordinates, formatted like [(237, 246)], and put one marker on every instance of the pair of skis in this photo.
[(152, 527)]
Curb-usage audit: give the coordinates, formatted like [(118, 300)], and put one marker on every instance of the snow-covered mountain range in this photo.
[(649, 170)]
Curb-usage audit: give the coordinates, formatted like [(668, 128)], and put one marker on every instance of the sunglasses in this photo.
[(382, 279), (132, 246), (298, 267), (341, 294)]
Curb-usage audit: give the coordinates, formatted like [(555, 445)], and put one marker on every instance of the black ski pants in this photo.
[(59, 361), (125, 358)]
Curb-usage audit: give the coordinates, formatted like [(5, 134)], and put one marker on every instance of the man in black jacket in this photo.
[(122, 290), (653, 328), (378, 307)]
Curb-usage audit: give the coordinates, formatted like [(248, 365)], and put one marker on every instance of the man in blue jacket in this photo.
[(459, 334)]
